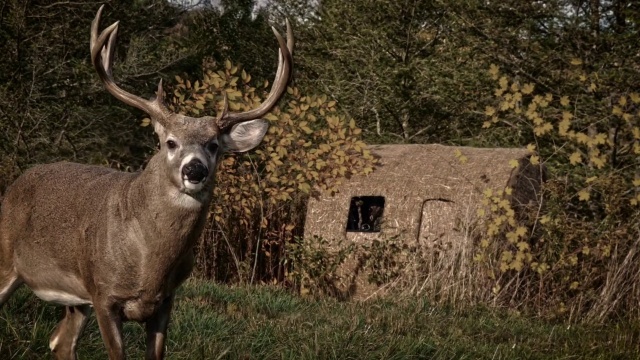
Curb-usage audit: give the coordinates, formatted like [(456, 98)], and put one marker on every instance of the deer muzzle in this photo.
[(195, 171)]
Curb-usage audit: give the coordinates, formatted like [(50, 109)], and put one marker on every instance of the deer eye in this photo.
[(171, 144), (212, 147)]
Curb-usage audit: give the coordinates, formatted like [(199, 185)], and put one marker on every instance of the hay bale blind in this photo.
[(421, 193)]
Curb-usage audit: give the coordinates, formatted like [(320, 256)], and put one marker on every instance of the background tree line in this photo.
[(460, 72), (53, 108)]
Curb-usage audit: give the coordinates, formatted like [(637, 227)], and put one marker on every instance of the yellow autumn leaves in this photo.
[(564, 132), (549, 115), (501, 219), (309, 146)]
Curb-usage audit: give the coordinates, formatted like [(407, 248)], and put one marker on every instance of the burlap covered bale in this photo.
[(431, 194)]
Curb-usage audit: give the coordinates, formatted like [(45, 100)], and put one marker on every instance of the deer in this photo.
[(86, 236)]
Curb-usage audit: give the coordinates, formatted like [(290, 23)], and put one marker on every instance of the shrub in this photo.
[(259, 200), (578, 255)]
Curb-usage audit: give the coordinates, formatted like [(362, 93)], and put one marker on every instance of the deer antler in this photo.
[(285, 60), (102, 59)]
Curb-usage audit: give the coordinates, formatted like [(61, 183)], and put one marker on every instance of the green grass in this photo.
[(212, 321)]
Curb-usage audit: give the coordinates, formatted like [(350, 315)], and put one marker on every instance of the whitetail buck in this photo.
[(86, 236)]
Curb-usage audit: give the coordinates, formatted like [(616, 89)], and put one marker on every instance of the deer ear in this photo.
[(244, 136)]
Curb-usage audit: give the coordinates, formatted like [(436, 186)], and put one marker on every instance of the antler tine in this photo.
[(102, 59), (289, 47), (283, 73), (107, 52), (290, 39), (159, 99), (94, 30), (225, 107)]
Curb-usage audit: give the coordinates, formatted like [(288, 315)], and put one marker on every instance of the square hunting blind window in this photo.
[(365, 214)]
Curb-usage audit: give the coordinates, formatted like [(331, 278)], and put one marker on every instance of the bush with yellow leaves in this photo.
[(259, 199), (577, 256)]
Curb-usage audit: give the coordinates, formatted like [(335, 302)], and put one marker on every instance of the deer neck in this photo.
[(163, 212)]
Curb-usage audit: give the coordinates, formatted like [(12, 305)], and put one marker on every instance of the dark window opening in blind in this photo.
[(365, 214)]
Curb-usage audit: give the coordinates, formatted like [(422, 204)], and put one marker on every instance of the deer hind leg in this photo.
[(9, 283), (156, 328), (64, 340)]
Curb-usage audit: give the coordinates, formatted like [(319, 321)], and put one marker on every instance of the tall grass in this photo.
[(446, 273)]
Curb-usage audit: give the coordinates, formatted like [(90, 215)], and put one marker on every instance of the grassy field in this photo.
[(218, 322)]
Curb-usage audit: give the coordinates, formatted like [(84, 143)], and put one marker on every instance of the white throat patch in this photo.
[(184, 200)]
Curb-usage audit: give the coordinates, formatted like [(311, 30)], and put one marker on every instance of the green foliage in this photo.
[(230, 29), (259, 198), (578, 254), (414, 71), (52, 106), (376, 58), (314, 265), (321, 267)]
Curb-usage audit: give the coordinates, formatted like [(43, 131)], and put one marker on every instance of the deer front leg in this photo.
[(110, 324), (156, 328), (65, 338)]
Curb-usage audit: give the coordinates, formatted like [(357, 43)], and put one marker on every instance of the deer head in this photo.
[(191, 146)]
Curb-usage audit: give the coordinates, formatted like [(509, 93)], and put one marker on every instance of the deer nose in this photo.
[(195, 171)]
